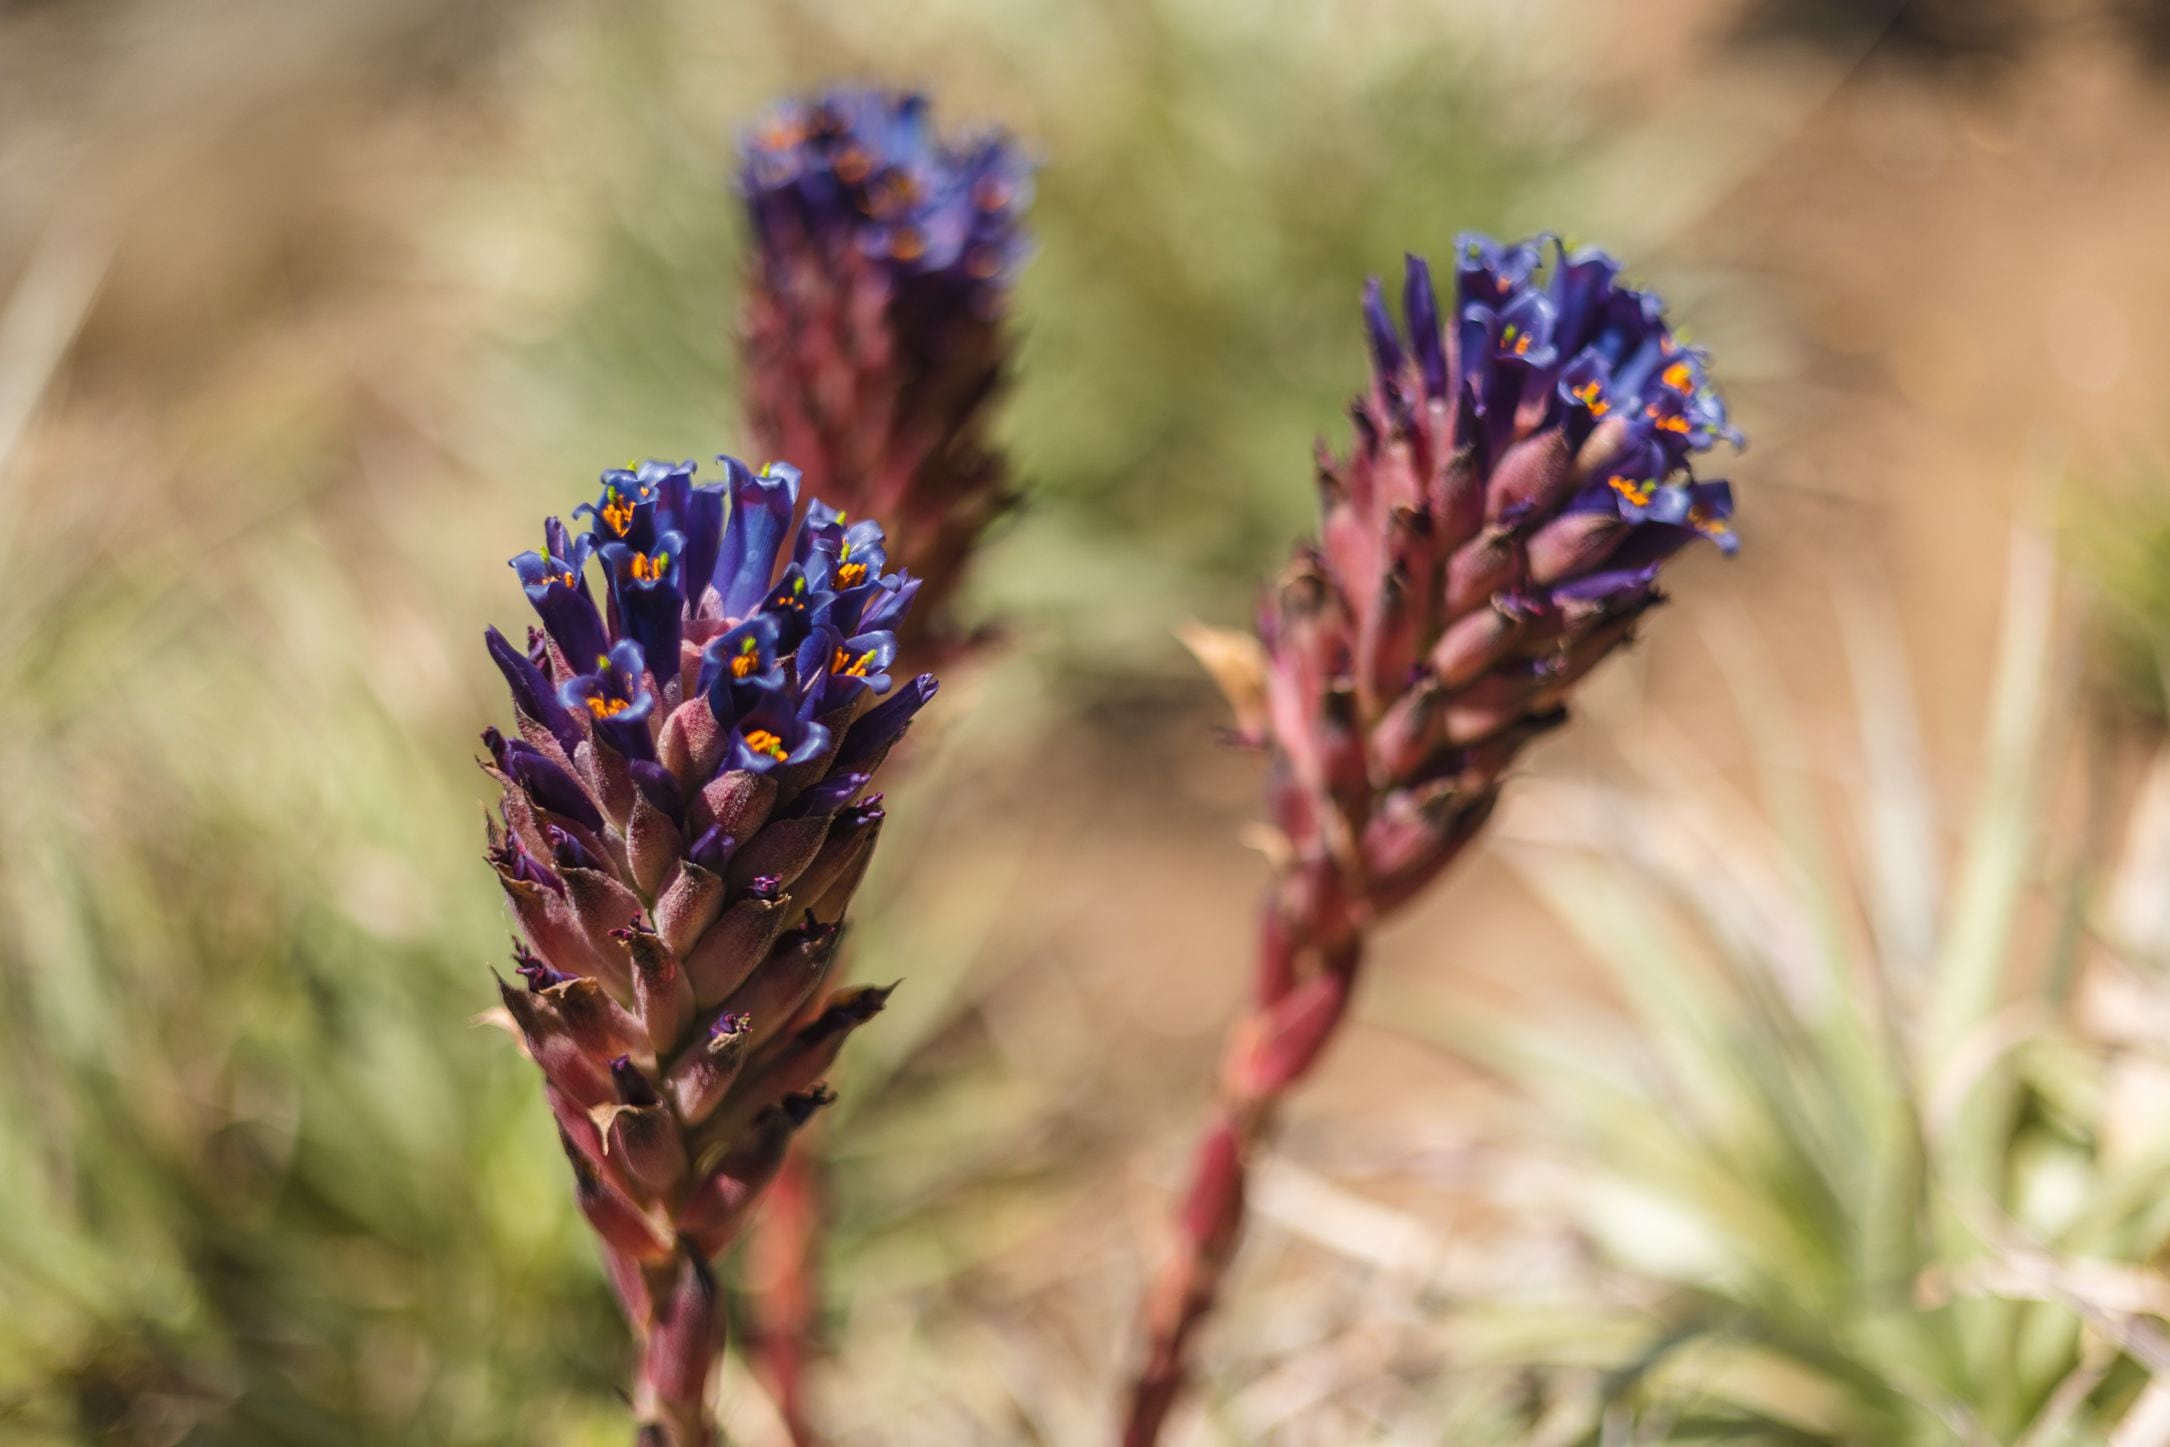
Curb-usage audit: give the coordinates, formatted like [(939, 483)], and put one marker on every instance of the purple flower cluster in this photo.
[(1566, 357), (685, 816), (874, 337), (1521, 471), (865, 168)]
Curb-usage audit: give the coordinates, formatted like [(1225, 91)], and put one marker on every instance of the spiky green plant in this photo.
[(1867, 1169)]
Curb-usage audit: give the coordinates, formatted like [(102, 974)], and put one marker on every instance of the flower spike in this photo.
[(1521, 473), (689, 778)]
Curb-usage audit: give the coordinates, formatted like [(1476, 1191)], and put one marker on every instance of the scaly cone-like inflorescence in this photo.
[(1520, 472), (874, 337), (685, 816)]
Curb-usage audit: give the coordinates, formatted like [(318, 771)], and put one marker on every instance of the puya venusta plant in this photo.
[(1519, 475), (685, 816), (875, 342)]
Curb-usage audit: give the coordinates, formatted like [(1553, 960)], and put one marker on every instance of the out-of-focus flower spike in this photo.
[(1552, 491), (874, 330)]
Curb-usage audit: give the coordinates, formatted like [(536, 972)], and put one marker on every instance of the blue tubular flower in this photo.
[(761, 508), (882, 725), (616, 700), (649, 599), (791, 604), (625, 512), (696, 513), (774, 732), (735, 663), (556, 583), (680, 864), (891, 600), (842, 673), (837, 557), (1486, 271), (884, 258)]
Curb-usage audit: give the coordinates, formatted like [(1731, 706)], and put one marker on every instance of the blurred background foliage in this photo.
[(308, 311)]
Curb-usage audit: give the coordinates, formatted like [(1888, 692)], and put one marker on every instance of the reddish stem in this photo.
[(1267, 1051)]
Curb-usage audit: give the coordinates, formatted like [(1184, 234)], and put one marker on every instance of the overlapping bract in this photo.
[(874, 330), (685, 817), (1520, 472)]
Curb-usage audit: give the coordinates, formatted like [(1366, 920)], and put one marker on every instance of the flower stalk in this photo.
[(1520, 472), (685, 813)]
